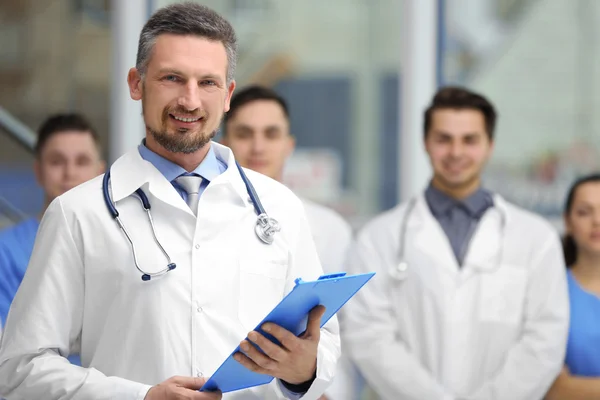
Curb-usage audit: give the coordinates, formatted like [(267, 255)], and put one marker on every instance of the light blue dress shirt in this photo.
[(209, 168)]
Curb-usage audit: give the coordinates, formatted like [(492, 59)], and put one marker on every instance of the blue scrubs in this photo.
[(16, 245), (583, 358)]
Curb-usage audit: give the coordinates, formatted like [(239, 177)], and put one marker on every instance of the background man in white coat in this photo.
[(257, 129), (470, 297), (158, 338)]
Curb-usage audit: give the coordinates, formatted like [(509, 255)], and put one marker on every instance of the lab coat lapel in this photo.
[(131, 172), (430, 238), (486, 243)]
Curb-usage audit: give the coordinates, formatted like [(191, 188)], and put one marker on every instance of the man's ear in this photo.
[(291, 145), (101, 167), (230, 90), (134, 81)]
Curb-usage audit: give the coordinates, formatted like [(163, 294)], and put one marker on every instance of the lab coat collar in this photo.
[(486, 241), (131, 172)]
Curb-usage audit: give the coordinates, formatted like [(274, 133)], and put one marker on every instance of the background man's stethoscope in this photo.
[(398, 271), (265, 228)]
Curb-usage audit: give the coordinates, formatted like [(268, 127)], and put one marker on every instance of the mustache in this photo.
[(198, 113)]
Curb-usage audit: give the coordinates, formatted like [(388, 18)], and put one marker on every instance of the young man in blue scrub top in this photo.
[(66, 154), (580, 377)]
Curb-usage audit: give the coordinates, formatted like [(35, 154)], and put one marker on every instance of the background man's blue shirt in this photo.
[(16, 246), (209, 168)]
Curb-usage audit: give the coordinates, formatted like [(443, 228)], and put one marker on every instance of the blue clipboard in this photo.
[(331, 291)]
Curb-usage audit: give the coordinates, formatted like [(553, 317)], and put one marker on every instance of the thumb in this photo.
[(313, 327), (190, 382)]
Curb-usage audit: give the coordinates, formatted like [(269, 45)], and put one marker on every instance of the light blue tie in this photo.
[(191, 185)]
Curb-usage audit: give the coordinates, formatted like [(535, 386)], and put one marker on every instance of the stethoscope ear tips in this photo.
[(145, 277), (171, 266)]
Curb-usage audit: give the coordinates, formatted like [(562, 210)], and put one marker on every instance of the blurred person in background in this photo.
[(257, 129), (470, 298), (67, 154), (580, 377)]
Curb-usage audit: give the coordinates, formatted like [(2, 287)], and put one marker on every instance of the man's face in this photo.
[(66, 160), (184, 91), (458, 147), (259, 136)]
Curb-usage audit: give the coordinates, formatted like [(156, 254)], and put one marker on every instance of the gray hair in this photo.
[(187, 19)]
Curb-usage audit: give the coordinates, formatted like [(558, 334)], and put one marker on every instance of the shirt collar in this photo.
[(208, 169), (130, 172), (476, 204)]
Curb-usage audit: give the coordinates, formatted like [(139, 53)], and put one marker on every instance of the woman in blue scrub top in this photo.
[(580, 378)]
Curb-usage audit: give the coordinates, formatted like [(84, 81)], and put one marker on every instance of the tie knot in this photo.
[(189, 183)]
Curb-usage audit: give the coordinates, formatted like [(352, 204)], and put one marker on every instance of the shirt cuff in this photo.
[(300, 388)]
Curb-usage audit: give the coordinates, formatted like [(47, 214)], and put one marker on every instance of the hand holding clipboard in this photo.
[(291, 314)]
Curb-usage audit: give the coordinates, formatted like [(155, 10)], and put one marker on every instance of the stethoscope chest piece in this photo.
[(265, 228)]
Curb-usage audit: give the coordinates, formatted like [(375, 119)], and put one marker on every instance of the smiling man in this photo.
[(156, 322), (470, 297)]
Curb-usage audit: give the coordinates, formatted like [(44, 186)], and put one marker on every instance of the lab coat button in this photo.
[(199, 374), (199, 309), (197, 246)]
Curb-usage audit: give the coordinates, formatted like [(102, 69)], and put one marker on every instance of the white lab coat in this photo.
[(331, 233), (333, 236), (444, 332), (83, 292)]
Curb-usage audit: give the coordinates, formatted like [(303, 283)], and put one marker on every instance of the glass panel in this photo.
[(54, 57), (537, 61), (336, 62)]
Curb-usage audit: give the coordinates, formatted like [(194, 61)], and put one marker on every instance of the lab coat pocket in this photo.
[(262, 286), (503, 295)]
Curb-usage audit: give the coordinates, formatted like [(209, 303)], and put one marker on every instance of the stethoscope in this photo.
[(265, 228), (399, 271)]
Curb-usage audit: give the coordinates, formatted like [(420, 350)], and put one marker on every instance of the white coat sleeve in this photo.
[(536, 360), (305, 264), (369, 330), (44, 325)]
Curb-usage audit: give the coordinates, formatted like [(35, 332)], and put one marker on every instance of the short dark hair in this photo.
[(187, 19), (568, 243), (251, 94), (459, 98), (58, 123)]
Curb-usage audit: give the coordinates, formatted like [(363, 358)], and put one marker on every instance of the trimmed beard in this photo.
[(181, 144)]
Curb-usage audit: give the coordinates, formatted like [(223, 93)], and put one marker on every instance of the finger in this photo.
[(272, 350), (184, 393), (210, 396), (188, 382), (259, 358), (216, 395), (313, 327), (287, 339), (249, 364)]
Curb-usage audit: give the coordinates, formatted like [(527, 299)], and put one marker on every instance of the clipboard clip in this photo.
[(323, 277)]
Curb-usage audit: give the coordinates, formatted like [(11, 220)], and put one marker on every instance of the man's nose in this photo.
[(190, 98)]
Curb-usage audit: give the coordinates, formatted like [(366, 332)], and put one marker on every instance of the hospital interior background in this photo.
[(339, 63)]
